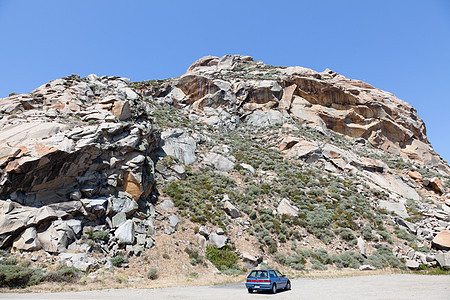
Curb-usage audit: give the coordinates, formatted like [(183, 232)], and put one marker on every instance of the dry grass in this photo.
[(119, 279)]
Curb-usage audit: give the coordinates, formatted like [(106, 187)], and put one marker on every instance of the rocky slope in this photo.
[(284, 165)]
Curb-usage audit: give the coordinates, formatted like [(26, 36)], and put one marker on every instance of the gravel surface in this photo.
[(400, 286)]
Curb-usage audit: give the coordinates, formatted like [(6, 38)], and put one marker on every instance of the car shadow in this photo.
[(268, 292)]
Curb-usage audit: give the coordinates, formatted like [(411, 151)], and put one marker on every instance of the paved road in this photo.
[(400, 286)]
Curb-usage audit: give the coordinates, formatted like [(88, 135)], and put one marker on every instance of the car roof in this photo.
[(263, 270)]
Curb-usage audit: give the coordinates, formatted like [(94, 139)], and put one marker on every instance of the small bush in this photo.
[(366, 232), (384, 257), (347, 234), (152, 274), (386, 236), (65, 274), (12, 260), (100, 235), (347, 260), (18, 276), (321, 255), (296, 262), (117, 260), (403, 234), (223, 258), (166, 256), (317, 265), (194, 257)]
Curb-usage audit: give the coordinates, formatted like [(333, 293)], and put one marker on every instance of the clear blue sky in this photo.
[(399, 46)]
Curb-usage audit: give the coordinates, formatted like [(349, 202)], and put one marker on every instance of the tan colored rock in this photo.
[(302, 149), (132, 186), (286, 99), (288, 142), (121, 109), (56, 237), (27, 240), (415, 175), (442, 240), (201, 241), (196, 87), (205, 61), (392, 183), (436, 185)]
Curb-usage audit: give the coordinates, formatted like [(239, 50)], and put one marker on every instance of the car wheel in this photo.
[(250, 291), (274, 288), (288, 285)]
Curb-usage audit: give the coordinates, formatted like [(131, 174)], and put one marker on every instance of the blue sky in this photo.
[(399, 46)]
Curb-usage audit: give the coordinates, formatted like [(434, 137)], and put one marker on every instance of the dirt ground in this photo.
[(388, 286)]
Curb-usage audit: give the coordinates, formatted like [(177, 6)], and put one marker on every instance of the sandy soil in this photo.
[(395, 286)]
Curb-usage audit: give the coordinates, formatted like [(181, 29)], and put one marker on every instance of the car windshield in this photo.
[(258, 274)]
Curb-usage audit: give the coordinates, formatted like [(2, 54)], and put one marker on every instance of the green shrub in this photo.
[(223, 258), (12, 260), (64, 274), (347, 234), (386, 236), (118, 260), (18, 276), (383, 257), (317, 265), (166, 256), (347, 259), (403, 234), (367, 234), (322, 256), (420, 249), (152, 274), (296, 262), (194, 257), (100, 235)]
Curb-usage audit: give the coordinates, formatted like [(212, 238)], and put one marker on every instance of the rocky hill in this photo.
[(234, 164)]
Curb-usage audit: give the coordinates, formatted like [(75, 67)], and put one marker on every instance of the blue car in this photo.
[(271, 280)]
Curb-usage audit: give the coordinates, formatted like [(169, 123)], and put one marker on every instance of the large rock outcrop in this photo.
[(69, 150), (266, 155), (239, 85)]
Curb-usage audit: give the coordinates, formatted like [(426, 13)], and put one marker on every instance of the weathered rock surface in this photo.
[(80, 157), (27, 240), (412, 264), (443, 259), (323, 100), (218, 240), (125, 232), (285, 208), (442, 240), (179, 144), (361, 246), (397, 208), (231, 210), (81, 261)]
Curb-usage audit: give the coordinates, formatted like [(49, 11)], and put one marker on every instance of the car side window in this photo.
[(273, 274), (278, 273)]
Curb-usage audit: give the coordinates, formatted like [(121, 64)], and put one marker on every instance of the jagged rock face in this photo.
[(80, 156), (71, 142), (239, 85)]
